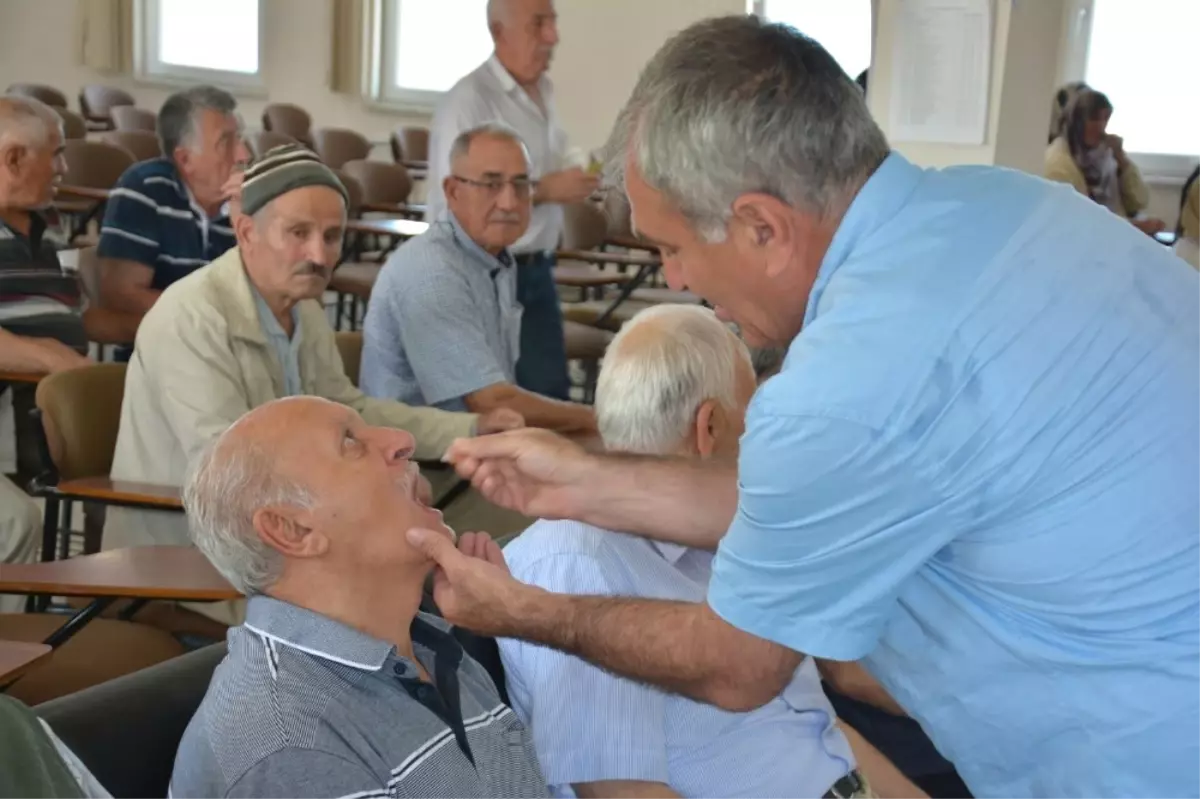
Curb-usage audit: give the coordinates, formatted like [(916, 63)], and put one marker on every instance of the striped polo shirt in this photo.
[(303, 705), (153, 219), (37, 298)]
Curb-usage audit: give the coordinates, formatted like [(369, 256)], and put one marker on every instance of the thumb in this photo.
[(500, 445), (435, 546)]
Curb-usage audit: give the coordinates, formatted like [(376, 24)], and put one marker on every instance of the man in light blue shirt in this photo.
[(444, 325), (614, 735), (976, 472)]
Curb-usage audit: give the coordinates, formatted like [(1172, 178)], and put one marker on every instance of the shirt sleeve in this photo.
[(307, 772), (832, 520), (131, 230), (442, 333), (587, 724)]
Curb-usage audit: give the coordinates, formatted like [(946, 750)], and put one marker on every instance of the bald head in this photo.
[(667, 372), (30, 153)]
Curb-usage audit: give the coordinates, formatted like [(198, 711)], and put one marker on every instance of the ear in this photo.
[(450, 187), (765, 225), (13, 156), (286, 530), (707, 427), (182, 157), (243, 228)]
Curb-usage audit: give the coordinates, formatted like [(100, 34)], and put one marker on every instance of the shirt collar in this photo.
[(504, 258), (323, 637), (673, 553), (37, 229), (880, 198), (266, 316), (508, 83)]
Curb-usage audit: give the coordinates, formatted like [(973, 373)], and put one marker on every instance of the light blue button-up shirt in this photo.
[(978, 469), (589, 725), (285, 347)]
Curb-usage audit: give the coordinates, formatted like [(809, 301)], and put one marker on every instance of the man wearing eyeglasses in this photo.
[(512, 87), (444, 324)]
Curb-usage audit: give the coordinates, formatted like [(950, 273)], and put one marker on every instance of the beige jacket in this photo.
[(200, 362), (1061, 168)]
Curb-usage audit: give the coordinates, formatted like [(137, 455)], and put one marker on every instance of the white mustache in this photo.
[(504, 219)]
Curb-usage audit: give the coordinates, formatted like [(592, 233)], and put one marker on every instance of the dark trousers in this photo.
[(542, 366)]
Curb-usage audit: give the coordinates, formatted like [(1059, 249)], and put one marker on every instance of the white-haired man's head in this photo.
[(675, 381), (31, 147), (525, 33)]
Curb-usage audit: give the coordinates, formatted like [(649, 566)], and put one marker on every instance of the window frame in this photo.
[(150, 67), (385, 14), (1168, 169)]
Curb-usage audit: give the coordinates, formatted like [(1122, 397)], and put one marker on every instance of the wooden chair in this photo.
[(47, 94), (261, 141), (410, 144), (96, 103), (95, 165), (587, 345), (73, 125), (585, 231), (336, 146), (385, 187), (128, 117), (356, 281), (354, 191), (142, 145), (290, 120)]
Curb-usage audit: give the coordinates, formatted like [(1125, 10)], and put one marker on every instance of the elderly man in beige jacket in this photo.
[(249, 328)]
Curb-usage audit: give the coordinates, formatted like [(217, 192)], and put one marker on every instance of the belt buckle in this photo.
[(847, 786)]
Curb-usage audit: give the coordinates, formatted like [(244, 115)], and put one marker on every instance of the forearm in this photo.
[(125, 286), (568, 418), (852, 680), (21, 353), (681, 501), (623, 789)]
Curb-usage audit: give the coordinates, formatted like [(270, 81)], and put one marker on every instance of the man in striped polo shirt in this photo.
[(336, 685), (169, 216), (40, 326)]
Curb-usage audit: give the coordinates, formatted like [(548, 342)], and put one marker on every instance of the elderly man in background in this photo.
[(976, 472), (250, 328), (512, 87), (336, 685), (169, 216), (675, 383), (41, 329), (444, 324)]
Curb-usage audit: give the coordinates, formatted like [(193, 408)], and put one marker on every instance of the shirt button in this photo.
[(400, 669)]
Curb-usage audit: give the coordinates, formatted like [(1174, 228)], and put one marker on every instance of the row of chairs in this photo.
[(409, 144), (96, 102)]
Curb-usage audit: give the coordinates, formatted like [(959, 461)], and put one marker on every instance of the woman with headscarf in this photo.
[(1094, 161)]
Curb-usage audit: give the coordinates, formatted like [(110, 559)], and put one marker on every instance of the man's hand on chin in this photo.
[(498, 421), (471, 583)]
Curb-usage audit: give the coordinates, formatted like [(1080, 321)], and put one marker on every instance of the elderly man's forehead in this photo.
[(284, 417)]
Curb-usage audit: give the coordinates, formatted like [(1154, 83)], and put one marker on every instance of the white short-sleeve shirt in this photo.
[(491, 94)]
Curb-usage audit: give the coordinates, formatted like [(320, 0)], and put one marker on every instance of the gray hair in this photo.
[(228, 482), (652, 382), (735, 105), (27, 119), (498, 130), (178, 117)]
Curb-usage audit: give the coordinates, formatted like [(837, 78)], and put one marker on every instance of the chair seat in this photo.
[(584, 342), (583, 276), (355, 278), (588, 313), (104, 649), (664, 296)]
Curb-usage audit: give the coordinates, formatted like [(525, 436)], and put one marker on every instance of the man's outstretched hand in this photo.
[(471, 584), (532, 471)]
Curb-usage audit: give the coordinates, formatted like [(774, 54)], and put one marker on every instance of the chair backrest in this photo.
[(47, 94), (261, 141), (73, 125), (350, 347), (291, 120), (336, 146), (141, 144), (355, 191), (383, 183), (126, 731), (95, 164), (584, 226), (96, 102), (413, 142), (81, 412), (129, 117)]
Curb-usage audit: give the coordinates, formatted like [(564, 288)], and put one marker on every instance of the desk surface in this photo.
[(82, 191), (16, 658), (404, 228), (20, 377), (173, 573), (605, 257), (104, 489)]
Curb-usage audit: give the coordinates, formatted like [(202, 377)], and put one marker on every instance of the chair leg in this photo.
[(50, 529), (93, 527), (591, 370), (341, 310), (64, 533)]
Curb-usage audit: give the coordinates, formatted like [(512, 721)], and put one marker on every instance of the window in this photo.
[(427, 45), (1142, 55), (843, 27), (215, 41)]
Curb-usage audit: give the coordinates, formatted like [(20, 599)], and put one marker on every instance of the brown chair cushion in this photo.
[(104, 649), (81, 411)]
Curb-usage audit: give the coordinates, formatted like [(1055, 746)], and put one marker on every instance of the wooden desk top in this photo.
[(404, 228), (581, 275), (604, 257), (104, 489), (632, 243), (172, 573), (17, 657), (20, 377), (86, 192)]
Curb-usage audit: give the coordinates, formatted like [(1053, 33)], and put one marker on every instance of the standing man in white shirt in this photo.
[(512, 87)]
